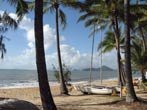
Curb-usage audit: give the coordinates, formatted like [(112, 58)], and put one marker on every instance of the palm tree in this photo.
[(63, 86), (139, 57), (6, 22), (21, 7), (107, 12), (2, 46), (140, 21), (45, 92), (92, 50), (130, 96), (108, 44), (53, 6)]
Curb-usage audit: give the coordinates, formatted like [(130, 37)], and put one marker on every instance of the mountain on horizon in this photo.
[(104, 68)]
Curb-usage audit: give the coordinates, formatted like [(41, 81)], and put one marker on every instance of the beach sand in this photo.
[(76, 100)]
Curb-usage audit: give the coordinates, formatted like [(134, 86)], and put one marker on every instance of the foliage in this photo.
[(139, 57), (66, 74), (109, 43), (2, 46), (21, 7), (6, 22)]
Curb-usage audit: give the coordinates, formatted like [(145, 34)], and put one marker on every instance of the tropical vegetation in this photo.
[(108, 44), (45, 92), (6, 22), (123, 24), (54, 6), (66, 74), (139, 57)]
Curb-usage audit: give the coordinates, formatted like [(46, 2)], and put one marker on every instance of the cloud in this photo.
[(70, 55), (49, 33), (76, 60), (24, 61)]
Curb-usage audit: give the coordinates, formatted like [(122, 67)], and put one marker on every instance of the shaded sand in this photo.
[(76, 100)]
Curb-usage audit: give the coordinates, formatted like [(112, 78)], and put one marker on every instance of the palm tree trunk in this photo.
[(143, 39), (116, 32), (121, 73), (62, 82), (45, 93), (143, 76), (130, 95), (91, 66)]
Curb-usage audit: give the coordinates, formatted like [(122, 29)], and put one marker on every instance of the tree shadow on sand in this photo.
[(76, 103)]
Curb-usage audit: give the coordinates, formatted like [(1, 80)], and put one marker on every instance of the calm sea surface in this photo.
[(28, 78)]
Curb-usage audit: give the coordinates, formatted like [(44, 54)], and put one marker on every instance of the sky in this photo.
[(75, 43)]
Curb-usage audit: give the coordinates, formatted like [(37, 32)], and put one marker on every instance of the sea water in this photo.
[(13, 78)]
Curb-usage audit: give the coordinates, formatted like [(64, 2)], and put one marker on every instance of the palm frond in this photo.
[(85, 16), (68, 3), (3, 29), (62, 18), (138, 54), (21, 9), (8, 21), (13, 2)]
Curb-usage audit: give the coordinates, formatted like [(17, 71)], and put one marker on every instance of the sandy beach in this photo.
[(76, 100)]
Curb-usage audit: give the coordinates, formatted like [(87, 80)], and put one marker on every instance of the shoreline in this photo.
[(75, 101), (33, 84), (36, 85), (12, 84)]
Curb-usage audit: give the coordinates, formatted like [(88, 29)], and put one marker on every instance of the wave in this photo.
[(10, 84)]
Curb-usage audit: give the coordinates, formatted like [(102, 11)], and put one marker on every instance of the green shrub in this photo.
[(66, 73)]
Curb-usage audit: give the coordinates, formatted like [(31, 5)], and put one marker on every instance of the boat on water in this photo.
[(93, 89)]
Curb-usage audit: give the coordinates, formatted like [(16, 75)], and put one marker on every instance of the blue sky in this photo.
[(75, 43)]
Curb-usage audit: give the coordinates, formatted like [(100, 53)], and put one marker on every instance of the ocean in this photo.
[(13, 78)]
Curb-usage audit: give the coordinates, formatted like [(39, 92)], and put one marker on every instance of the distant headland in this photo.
[(104, 68)]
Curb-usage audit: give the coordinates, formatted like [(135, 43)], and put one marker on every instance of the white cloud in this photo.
[(70, 55), (23, 61), (49, 33), (73, 58)]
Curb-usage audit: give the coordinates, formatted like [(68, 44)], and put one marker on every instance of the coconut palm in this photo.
[(139, 57), (6, 22), (54, 6), (108, 13), (115, 16), (2, 46), (139, 23), (45, 92), (108, 44), (130, 95), (57, 11), (92, 51), (21, 7)]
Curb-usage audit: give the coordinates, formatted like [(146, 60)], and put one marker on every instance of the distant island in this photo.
[(104, 68)]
